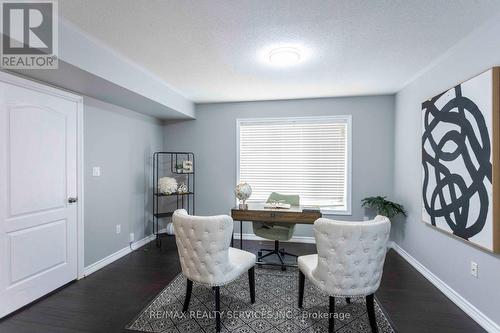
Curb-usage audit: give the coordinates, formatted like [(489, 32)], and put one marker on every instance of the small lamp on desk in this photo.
[(243, 191)]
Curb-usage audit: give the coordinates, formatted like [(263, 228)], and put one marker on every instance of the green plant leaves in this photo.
[(383, 206)]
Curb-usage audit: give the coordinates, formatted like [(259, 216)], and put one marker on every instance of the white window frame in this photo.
[(345, 118)]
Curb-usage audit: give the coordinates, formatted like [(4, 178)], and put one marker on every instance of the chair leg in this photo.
[(284, 253), (348, 300), (265, 255), (331, 315), (282, 261), (217, 309), (302, 279), (278, 253), (251, 282), (281, 254), (370, 307), (189, 289)]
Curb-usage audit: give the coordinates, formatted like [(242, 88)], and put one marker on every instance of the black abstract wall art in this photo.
[(459, 160)]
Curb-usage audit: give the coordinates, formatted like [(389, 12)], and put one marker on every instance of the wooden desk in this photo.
[(257, 213)]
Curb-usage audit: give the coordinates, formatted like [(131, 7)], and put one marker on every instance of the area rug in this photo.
[(275, 309)]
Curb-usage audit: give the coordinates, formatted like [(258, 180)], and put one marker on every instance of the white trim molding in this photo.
[(347, 118), (92, 268), (483, 320), (80, 191)]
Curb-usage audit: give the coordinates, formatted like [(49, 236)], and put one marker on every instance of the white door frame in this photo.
[(44, 88)]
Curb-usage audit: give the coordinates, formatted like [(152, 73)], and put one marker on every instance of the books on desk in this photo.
[(277, 205)]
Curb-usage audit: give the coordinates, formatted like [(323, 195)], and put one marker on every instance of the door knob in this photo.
[(72, 200)]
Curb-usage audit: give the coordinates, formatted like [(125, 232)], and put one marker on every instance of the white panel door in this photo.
[(38, 174)]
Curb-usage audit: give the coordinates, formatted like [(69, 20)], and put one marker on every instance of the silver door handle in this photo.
[(72, 200)]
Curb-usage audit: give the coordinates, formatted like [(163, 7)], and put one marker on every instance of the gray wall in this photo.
[(446, 257), (121, 142), (212, 137)]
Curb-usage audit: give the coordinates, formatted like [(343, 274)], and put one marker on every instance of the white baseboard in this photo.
[(295, 239), (117, 255), (488, 324), (252, 236)]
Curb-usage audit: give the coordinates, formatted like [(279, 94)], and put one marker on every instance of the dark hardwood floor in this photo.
[(110, 298)]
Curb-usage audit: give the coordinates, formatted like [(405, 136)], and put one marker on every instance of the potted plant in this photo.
[(179, 167), (383, 206)]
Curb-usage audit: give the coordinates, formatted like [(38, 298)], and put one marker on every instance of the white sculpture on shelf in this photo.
[(167, 185), (243, 191), (170, 229)]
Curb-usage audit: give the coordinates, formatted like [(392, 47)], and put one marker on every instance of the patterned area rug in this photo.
[(275, 309)]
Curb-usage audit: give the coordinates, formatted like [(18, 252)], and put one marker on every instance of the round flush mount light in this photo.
[(284, 56)]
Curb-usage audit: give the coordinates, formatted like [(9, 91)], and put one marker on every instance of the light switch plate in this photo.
[(118, 228), (96, 171)]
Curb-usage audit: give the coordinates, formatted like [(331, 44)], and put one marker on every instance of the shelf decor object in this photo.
[(182, 188), (173, 188), (461, 161), (187, 166), (167, 185), (243, 191)]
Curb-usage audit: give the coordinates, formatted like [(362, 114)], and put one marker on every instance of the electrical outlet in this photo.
[(132, 236), (118, 228), (96, 171), (474, 268)]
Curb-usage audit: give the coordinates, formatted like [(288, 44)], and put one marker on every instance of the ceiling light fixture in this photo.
[(284, 56)]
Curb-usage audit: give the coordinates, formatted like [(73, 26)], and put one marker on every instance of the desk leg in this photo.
[(241, 235), (232, 239)]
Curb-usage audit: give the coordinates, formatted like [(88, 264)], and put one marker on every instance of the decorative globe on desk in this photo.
[(243, 191)]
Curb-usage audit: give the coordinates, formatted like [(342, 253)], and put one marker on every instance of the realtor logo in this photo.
[(29, 34)]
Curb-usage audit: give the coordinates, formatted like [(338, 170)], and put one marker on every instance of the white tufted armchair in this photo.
[(349, 262), (205, 255)]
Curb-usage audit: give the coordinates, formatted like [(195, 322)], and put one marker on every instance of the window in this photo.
[(305, 156)]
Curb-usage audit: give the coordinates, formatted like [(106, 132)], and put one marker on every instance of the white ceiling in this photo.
[(210, 50)]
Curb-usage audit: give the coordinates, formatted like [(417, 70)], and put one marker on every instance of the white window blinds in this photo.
[(305, 156)]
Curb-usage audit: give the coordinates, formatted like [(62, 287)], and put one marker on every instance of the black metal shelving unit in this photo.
[(165, 165)]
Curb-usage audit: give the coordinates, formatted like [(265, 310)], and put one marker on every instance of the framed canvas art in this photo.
[(461, 160)]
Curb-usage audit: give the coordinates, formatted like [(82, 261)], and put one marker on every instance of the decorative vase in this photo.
[(243, 191)]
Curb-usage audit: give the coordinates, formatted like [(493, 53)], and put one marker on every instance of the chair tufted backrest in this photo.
[(203, 243), (351, 255)]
